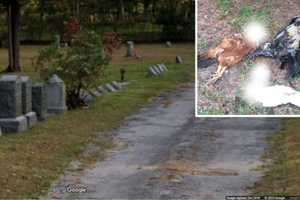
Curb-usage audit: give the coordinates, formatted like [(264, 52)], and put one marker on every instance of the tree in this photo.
[(13, 22)]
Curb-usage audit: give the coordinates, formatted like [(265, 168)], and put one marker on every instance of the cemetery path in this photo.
[(166, 153)]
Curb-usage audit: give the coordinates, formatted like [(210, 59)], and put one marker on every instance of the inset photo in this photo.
[(248, 58)]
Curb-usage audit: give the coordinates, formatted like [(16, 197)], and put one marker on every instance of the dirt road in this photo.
[(168, 154)]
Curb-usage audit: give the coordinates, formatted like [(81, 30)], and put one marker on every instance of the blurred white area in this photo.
[(258, 90), (255, 33)]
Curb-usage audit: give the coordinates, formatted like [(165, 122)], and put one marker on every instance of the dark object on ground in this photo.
[(284, 47), (206, 62), (122, 72)]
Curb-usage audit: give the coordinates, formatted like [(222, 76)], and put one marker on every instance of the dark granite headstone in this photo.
[(11, 115), (39, 100)]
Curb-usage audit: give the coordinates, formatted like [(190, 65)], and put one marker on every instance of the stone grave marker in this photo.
[(161, 68), (164, 67), (86, 96), (27, 101), (39, 101), (12, 119), (156, 68), (109, 88), (179, 60), (130, 49), (102, 89), (168, 44), (56, 95), (116, 85), (152, 71), (26, 94), (0, 131), (94, 93)]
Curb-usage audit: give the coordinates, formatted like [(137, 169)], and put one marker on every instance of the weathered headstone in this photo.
[(57, 41), (102, 89), (179, 60), (152, 71), (86, 96), (27, 101), (116, 85), (160, 68), (26, 94), (94, 93), (109, 87), (39, 100), (56, 95), (168, 44), (164, 67), (130, 49), (157, 69), (11, 116)]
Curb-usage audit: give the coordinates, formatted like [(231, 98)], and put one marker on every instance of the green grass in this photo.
[(248, 13), (29, 162), (282, 175), (224, 6)]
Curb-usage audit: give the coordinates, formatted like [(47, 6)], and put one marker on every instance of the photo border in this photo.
[(196, 85)]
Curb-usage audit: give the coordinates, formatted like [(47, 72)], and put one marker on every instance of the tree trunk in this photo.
[(42, 8), (146, 11), (122, 10), (13, 15)]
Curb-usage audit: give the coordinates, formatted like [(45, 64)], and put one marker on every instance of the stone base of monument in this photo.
[(16, 125), (31, 119)]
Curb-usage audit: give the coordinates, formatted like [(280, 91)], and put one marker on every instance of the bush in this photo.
[(81, 65)]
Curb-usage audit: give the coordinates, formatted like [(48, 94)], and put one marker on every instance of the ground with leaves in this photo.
[(220, 18)]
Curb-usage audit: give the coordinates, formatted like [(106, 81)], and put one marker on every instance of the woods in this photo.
[(39, 20)]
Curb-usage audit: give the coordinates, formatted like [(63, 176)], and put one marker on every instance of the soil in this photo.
[(221, 98)]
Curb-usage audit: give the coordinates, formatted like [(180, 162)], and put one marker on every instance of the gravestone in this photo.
[(168, 44), (157, 69), (116, 85), (94, 93), (26, 94), (86, 96), (109, 88), (102, 89), (0, 131), (56, 95), (130, 49), (39, 101), (179, 60), (164, 66), (27, 101), (161, 68), (152, 71), (12, 119), (57, 41)]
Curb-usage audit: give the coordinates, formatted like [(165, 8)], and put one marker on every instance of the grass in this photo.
[(29, 162), (224, 6), (282, 175), (248, 13)]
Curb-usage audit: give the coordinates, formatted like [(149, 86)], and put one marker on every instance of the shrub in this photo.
[(81, 65)]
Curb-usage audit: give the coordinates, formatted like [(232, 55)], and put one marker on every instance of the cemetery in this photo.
[(53, 102)]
